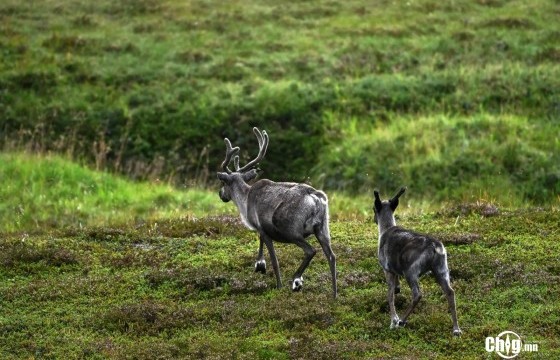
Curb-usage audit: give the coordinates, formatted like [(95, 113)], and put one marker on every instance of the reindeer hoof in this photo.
[(457, 332), (395, 323), (260, 266), (297, 285), (397, 289), (402, 323)]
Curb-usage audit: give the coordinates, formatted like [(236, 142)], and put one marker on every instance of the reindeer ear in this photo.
[(222, 176), (394, 202), (377, 202), (250, 175)]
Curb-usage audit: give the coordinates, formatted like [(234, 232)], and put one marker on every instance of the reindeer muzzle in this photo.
[(223, 195)]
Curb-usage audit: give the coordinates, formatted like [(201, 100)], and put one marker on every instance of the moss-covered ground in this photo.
[(184, 287)]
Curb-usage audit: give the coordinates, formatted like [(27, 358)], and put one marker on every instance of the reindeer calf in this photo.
[(406, 253)]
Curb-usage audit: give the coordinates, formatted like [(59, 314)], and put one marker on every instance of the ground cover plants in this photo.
[(185, 288), (178, 281)]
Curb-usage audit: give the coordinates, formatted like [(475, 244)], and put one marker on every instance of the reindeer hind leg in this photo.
[(412, 280), (442, 277), (325, 240), (309, 253)]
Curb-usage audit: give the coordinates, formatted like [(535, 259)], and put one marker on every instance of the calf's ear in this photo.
[(394, 202), (377, 201)]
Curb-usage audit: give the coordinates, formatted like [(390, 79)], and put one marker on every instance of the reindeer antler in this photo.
[(262, 138), (229, 153)]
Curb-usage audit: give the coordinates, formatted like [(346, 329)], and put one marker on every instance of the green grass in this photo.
[(50, 192), (185, 288), (152, 87), (510, 160), (42, 192), (156, 272)]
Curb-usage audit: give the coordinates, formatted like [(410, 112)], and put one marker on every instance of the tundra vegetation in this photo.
[(113, 240), (146, 285), (455, 99)]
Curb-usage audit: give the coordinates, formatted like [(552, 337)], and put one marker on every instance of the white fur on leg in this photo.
[(260, 266), (395, 322), (297, 285)]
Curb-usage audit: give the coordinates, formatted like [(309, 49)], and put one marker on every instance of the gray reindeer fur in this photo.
[(409, 254), (279, 211)]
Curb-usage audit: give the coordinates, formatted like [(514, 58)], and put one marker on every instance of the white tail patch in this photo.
[(440, 250), (321, 199)]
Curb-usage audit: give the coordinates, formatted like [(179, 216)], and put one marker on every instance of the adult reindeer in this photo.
[(279, 211)]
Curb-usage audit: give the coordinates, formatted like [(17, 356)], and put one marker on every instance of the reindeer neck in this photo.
[(239, 198), (385, 221)]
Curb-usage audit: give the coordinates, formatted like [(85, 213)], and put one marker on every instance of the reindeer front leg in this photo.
[(273, 259), (260, 264)]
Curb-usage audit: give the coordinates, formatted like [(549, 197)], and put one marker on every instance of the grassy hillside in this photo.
[(38, 193), (50, 192), (511, 160), (149, 88), (95, 266)]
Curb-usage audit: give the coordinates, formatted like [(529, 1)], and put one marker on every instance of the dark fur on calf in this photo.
[(409, 254)]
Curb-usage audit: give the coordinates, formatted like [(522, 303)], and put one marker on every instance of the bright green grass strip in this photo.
[(39, 192), (506, 159)]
